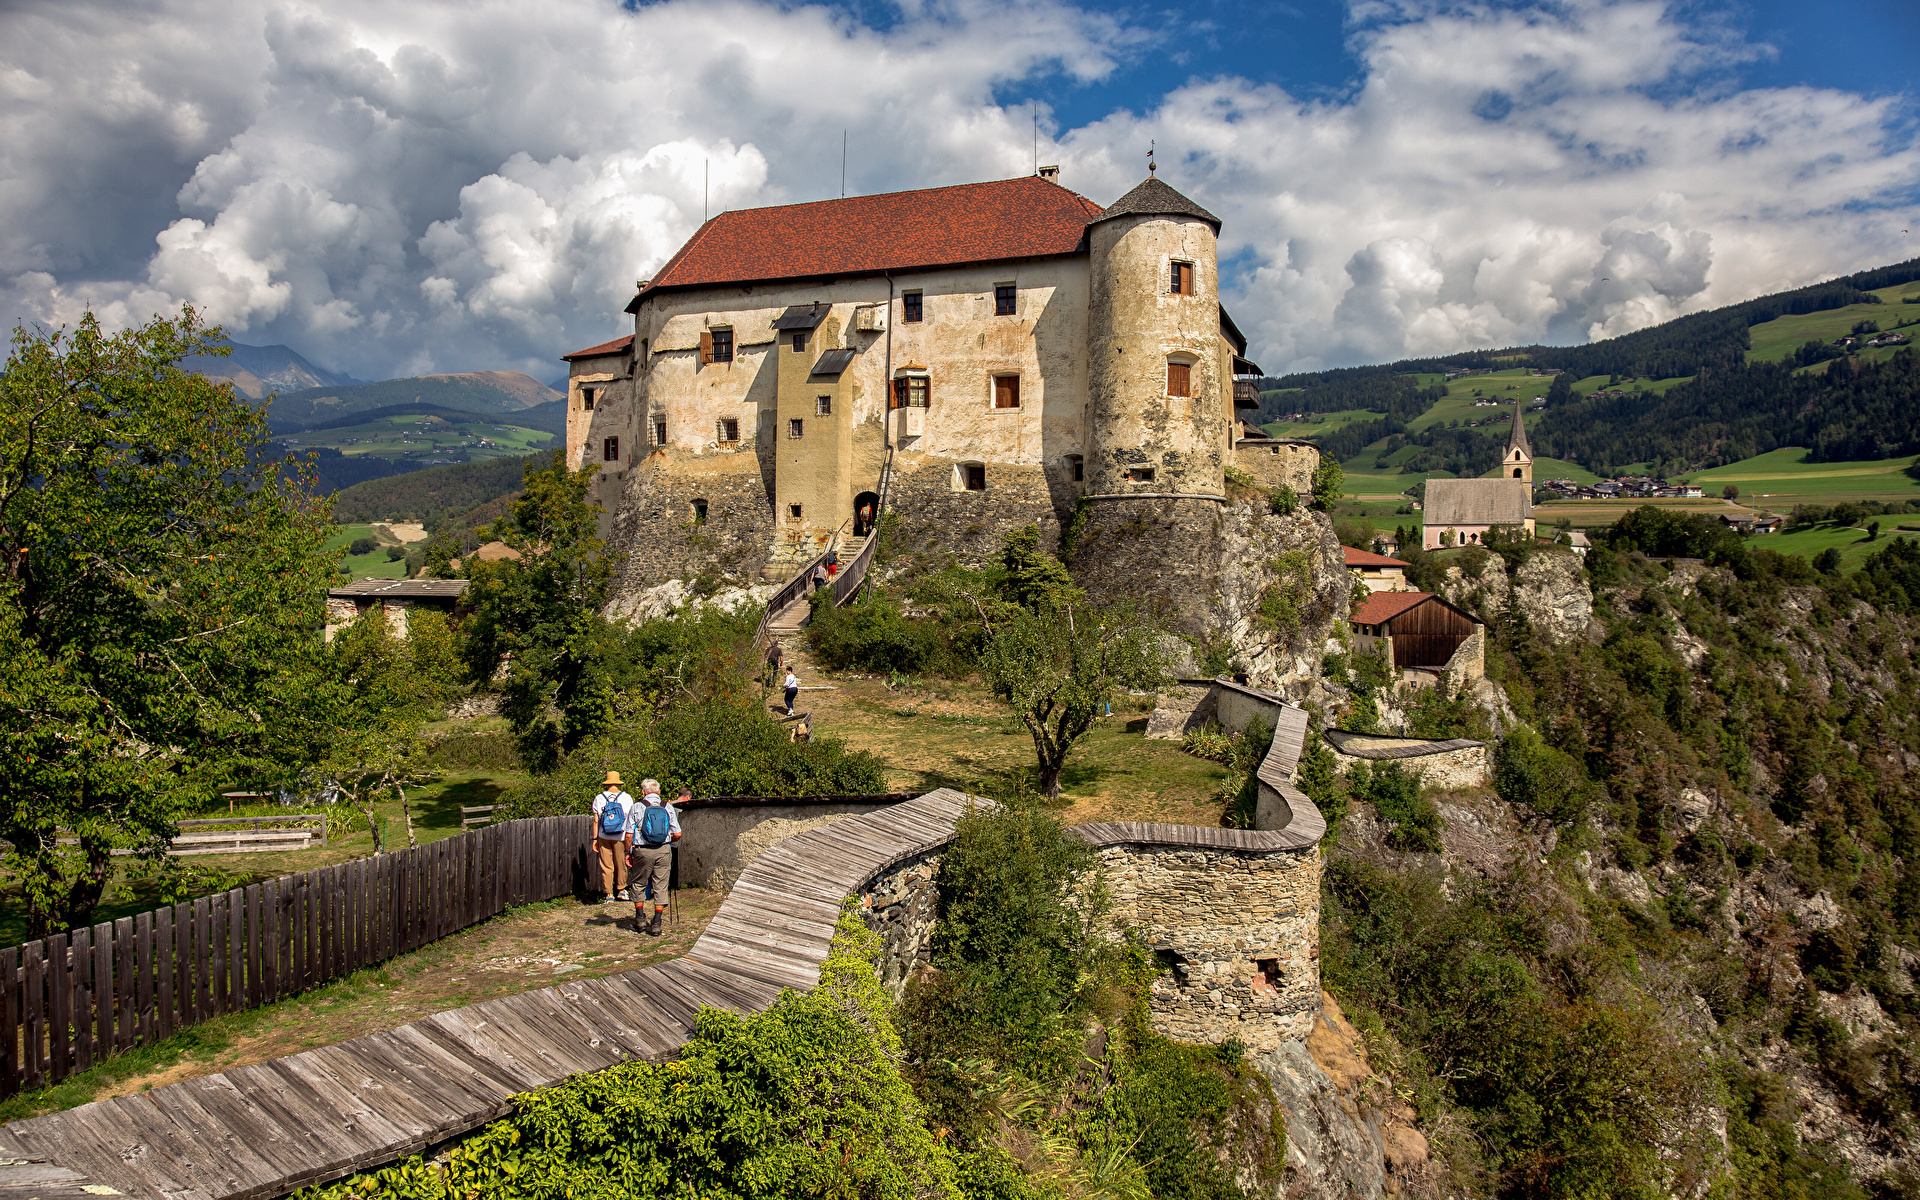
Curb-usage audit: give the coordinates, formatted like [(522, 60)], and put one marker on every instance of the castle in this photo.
[(986, 356)]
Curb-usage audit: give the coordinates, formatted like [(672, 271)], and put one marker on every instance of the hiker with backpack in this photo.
[(612, 820), (651, 835)]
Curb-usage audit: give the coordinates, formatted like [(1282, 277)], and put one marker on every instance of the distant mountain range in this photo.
[(505, 394), (256, 370)]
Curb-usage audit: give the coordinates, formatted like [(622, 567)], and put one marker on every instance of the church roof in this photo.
[(1519, 435), (1477, 502), (896, 231), (1154, 198)]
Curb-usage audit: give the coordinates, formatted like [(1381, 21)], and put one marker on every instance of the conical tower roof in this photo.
[(1154, 198), (1518, 438)]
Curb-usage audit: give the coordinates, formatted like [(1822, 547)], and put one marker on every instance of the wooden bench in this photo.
[(311, 831), (474, 816)]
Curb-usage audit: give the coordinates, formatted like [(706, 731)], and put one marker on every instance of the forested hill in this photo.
[(431, 495), (1734, 410), (1666, 351)]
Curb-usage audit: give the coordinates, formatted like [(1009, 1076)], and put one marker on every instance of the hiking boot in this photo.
[(622, 895), (653, 927)]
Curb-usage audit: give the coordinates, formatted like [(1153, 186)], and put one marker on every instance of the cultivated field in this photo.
[(368, 566), (426, 438), (1589, 514), (1783, 478), (1779, 338)]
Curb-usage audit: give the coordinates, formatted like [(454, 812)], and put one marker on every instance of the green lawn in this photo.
[(1783, 478), (1321, 425), (1596, 383), (1853, 543), (1779, 338), (1556, 468), (367, 566)]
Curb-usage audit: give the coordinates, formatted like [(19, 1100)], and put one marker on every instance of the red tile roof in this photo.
[(897, 231), (619, 345), (1367, 558), (1385, 606)]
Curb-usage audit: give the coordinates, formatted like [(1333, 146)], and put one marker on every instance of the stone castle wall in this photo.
[(1277, 464), (935, 516), (654, 527), (1238, 932)]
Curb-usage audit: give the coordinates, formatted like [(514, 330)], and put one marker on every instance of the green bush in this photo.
[(1395, 793), (362, 545), (805, 1099), (1209, 741), (723, 747), (871, 634), (1529, 772)]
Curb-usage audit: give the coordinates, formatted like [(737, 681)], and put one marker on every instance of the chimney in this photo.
[(1051, 174)]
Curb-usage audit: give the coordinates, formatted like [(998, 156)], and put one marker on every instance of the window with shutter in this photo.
[(823, 406), (722, 345), (610, 450), (586, 399), (706, 346), (1182, 279), (795, 427), (1179, 379), (729, 431), (1006, 391)]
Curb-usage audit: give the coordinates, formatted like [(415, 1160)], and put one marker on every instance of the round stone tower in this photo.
[(1160, 403)]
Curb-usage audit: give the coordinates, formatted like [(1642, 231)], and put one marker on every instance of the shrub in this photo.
[(1284, 500), (1529, 772), (870, 635), (362, 545), (1395, 793), (1209, 741)]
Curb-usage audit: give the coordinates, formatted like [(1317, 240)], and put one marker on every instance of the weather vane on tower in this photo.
[(1150, 144)]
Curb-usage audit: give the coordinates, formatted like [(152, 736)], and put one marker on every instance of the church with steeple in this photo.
[(1458, 512)]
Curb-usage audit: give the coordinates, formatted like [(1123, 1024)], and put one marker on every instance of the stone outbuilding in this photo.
[(1378, 572), (395, 599)]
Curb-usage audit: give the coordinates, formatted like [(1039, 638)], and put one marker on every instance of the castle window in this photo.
[(1182, 279), (586, 398), (823, 406), (795, 427), (800, 340), (1006, 391), (716, 345), (793, 510), (729, 431), (911, 391), (1140, 475), (1179, 379), (973, 477), (1266, 977), (610, 450), (1079, 467), (659, 431), (699, 512), (910, 306), (1003, 299)]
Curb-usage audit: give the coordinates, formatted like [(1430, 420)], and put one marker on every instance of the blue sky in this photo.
[(475, 184)]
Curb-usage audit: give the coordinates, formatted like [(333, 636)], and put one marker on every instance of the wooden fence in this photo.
[(71, 1000)]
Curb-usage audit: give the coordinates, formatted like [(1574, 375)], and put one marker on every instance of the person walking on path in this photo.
[(651, 835), (792, 686), (819, 577), (612, 821)]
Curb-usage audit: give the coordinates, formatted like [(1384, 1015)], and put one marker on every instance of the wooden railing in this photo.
[(71, 1000), (848, 580)]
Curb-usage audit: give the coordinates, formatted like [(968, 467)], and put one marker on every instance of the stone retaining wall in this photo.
[(721, 835)]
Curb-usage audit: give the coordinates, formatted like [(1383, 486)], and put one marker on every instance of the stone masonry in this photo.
[(1238, 934)]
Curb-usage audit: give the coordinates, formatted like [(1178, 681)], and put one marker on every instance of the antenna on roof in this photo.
[(1036, 137), (706, 188), (843, 164)]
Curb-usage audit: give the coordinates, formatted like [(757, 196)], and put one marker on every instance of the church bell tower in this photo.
[(1518, 463)]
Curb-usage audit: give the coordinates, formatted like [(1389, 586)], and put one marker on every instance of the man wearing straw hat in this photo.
[(612, 821)]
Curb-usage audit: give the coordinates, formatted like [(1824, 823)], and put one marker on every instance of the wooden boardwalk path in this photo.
[(263, 1130)]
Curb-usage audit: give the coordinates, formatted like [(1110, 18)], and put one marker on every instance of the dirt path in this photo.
[(522, 950)]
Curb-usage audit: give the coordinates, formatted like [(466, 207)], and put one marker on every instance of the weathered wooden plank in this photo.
[(438, 1101), (352, 932), (720, 988), (33, 1013), (561, 1057), (566, 1021), (236, 950), (126, 982), (298, 1084), (643, 1031), (455, 1049), (144, 950), (10, 1071), (474, 1035), (202, 966), (183, 1007), (327, 923), (269, 941), (103, 1143), (80, 946), (217, 955), (59, 1007), (207, 1136)]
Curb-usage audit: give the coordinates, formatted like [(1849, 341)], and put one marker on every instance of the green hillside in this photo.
[(491, 392), (434, 494)]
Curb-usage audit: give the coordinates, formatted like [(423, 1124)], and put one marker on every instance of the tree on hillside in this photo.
[(1730, 492), (160, 589), (1059, 667), (539, 619)]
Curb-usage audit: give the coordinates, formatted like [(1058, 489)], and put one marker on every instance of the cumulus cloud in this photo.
[(438, 186)]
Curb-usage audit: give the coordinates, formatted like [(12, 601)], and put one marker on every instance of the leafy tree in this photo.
[(1730, 492), (1059, 667), (1329, 482), (362, 545), (540, 616), (1827, 562), (160, 582), (1528, 771), (1035, 579), (381, 690)]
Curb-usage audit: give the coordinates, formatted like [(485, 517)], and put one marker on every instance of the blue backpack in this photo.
[(655, 827), (613, 818)]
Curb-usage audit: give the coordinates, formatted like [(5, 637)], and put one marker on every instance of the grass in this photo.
[(1852, 543), (1590, 514), (1779, 338), (1783, 478), (1321, 425), (1599, 383), (373, 565), (1557, 468)]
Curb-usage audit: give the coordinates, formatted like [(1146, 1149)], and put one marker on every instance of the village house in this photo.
[(1460, 511), (394, 599), (1378, 572), (1424, 638), (984, 355)]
